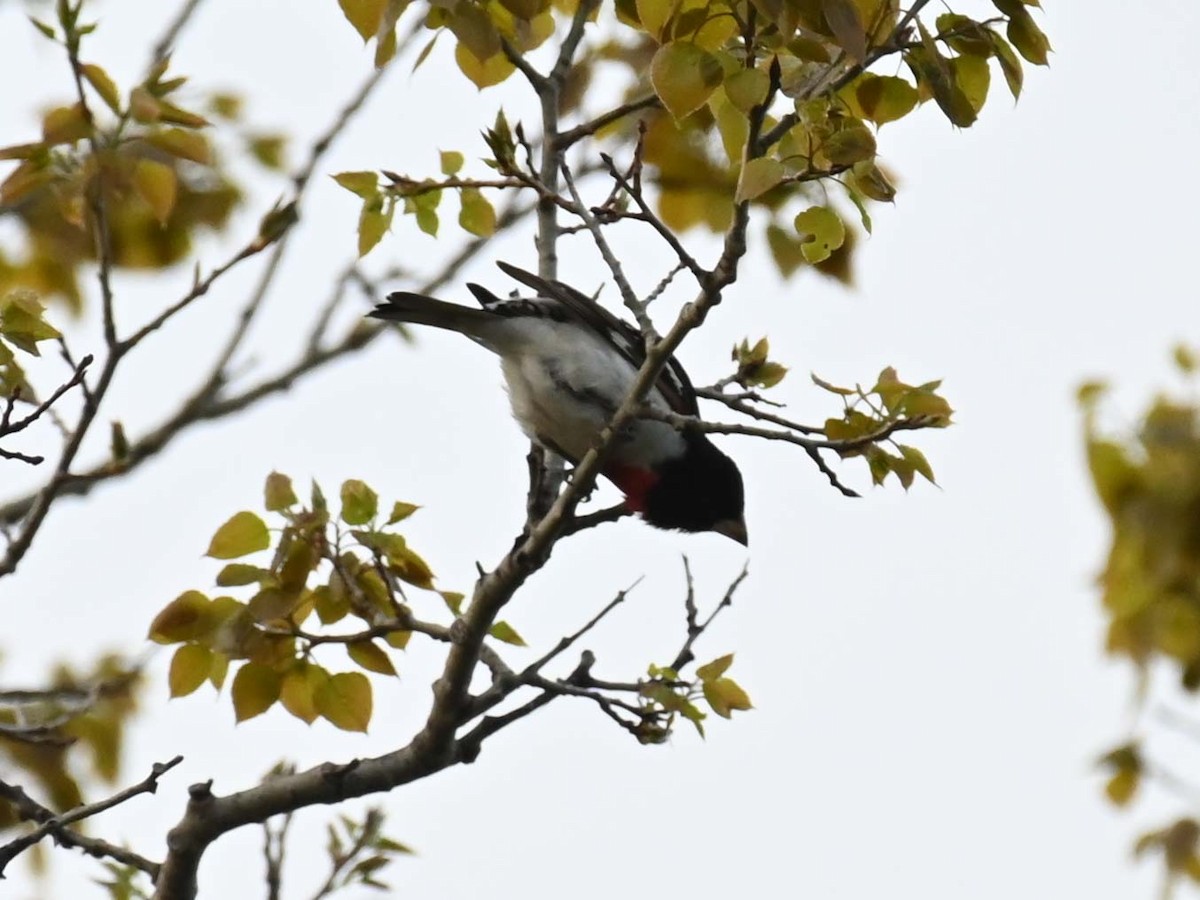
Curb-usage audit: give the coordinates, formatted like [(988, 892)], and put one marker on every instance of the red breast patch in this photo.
[(634, 482)]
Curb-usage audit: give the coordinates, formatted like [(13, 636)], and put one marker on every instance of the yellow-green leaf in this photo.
[(502, 631), (364, 184), (345, 701), (476, 216), (190, 667), (244, 533), (823, 230), (373, 223), (885, 98), (371, 657), (724, 695), (401, 511), (181, 143), (918, 461), (66, 124), (452, 162), (846, 26), (278, 492), (359, 502), (1029, 40), (684, 76), (298, 687), (364, 15), (185, 618), (747, 88), (758, 177), (1121, 787), (104, 85), (255, 687), (238, 574), (850, 145), (716, 668), (156, 184), (483, 73), (1010, 65), (973, 77)]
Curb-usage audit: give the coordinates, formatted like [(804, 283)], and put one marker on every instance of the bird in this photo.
[(568, 363)]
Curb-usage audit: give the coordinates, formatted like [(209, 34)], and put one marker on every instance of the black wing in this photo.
[(673, 382)]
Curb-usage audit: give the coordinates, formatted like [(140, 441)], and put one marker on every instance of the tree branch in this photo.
[(55, 824)]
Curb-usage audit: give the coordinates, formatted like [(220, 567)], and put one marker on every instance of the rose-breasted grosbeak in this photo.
[(569, 363)]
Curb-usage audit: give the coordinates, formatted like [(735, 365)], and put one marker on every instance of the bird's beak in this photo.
[(733, 528)]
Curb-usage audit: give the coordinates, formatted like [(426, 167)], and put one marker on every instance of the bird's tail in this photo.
[(417, 309)]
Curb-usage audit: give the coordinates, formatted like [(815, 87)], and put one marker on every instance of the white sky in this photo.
[(926, 669)]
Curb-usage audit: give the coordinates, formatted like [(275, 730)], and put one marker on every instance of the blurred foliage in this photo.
[(70, 732), (129, 168), (1148, 483)]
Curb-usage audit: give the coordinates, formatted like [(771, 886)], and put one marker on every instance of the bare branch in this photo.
[(632, 303), (573, 135), (29, 810), (55, 824), (696, 628)]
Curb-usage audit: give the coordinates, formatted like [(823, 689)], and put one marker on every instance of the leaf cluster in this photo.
[(869, 417), (355, 567)]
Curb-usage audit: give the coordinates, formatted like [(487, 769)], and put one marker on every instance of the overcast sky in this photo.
[(926, 668)]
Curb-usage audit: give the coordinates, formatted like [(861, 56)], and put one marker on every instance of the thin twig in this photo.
[(147, 785), (29, 810)]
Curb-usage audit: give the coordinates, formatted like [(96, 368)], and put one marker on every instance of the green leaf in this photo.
[(486, 72), (189, 669), (1185, 359), (871, 182), (747, 88), (724, 695), (244, 533), (1010, 65), (452, 162), (684, 76), (362, 184), (401, 511), (155, 183), (98, 79), (181, 143), (885, 98), (1029, 40), (850, 145), (359, 502), (786, 249), (345, 701), (846, 26), (973, 77), (255, 688), (824, 231), (476, 216), (21, 322), (300, 683), (187, 617), (371, 657), (364, 15), (918, 461), (716, 668), (373, 223), (502, 631), (454, 601), (238, 574), (278, 493), (758, 177)]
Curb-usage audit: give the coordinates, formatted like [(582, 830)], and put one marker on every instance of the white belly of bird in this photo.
[(565, 384)]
